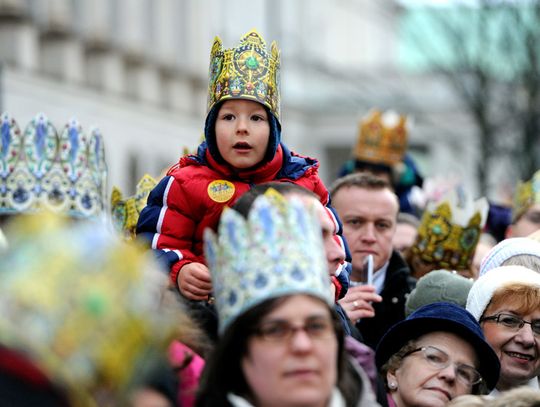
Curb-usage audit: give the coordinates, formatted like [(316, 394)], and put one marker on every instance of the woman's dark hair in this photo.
[(223, 371)]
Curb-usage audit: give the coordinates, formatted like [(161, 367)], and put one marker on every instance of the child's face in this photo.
[(242, 132)]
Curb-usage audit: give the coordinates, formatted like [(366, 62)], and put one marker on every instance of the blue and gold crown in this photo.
[(245, 72), (277, 251), (382, 138), (527, 194), (125, 212), (41, 169), (449, 231)]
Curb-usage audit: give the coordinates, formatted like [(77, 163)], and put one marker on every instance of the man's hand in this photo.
[(357, 302), (194, 281)]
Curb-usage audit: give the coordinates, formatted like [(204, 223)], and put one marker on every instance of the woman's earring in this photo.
[(392, 385)]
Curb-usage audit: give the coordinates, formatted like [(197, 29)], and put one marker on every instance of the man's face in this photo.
[(369, 223), (527, 223)]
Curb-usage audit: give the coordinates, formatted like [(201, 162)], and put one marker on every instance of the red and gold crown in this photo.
[(449, 231), (527, 194), (245, 72), (382, 138)]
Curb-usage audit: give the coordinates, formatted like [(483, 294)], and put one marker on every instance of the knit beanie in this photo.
[(438, 286), (483, 289), (210, 134), (509, 248)]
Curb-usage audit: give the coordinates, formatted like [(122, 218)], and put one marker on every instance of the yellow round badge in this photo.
[(220, 190)]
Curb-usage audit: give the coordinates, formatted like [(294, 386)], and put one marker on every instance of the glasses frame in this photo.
[(438, 366), (521, 324), (291, 330)]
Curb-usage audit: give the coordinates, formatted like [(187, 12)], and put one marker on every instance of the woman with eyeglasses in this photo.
[(506, 302), (281, 342), (435, 355)]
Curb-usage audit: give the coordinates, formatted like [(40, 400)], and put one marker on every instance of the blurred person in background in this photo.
[(92, 315), (526, 209), (406, 232)]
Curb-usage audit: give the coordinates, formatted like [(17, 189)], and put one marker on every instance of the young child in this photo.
[(242, 148)]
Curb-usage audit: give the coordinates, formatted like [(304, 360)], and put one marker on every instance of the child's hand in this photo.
[(194, 281)]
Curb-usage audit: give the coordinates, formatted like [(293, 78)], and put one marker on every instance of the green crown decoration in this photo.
[(248, 71), (43, 169), (449, 231), (277, 251)]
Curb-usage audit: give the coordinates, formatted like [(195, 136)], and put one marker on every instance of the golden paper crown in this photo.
[(382, 138), (245, 72), (527, 194), (92, 312), (125, 212), (449, 231)]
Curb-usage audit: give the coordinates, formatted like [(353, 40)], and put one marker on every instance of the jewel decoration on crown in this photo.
[(527, 194), (450, 229), (248, 71), (277, 251), (41, 169), (382, 138), (125, 212)]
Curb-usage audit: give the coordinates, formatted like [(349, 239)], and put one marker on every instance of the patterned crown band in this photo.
[(527, 194), (277, 251), (40, 169), (448, 234), (245, 72), (382, 138), (125, 212)]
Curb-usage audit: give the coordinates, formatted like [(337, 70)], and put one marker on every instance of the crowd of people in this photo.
[(239, 279)]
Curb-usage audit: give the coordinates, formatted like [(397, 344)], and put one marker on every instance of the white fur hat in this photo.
[(483, 289), (506, 249)]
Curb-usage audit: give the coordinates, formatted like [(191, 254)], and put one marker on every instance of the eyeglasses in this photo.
[(513, 322), (280, 331), (440, 360)]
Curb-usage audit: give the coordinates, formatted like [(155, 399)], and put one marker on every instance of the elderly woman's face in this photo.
[(518, 348), (421, 383), (292, 360)]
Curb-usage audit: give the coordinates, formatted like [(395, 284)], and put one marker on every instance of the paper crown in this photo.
[(277, 251), (42, 169), (449, 231), (382, 138), (527, 194), (91, 311), (125, 212), (245, 72)]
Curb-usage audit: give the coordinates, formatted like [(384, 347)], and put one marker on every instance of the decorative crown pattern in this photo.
[(527, 193), (449, 231), (245, 72), (277, 251), (382, 138), (125, 212), (40, 169), (89, 309)]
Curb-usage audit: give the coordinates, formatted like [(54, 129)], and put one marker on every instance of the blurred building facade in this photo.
[(138, 70)]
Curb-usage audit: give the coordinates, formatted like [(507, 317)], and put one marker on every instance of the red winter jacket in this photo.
[(192, 196)]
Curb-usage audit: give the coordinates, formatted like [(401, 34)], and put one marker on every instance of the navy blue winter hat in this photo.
[(210, 134), (447, 317)]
